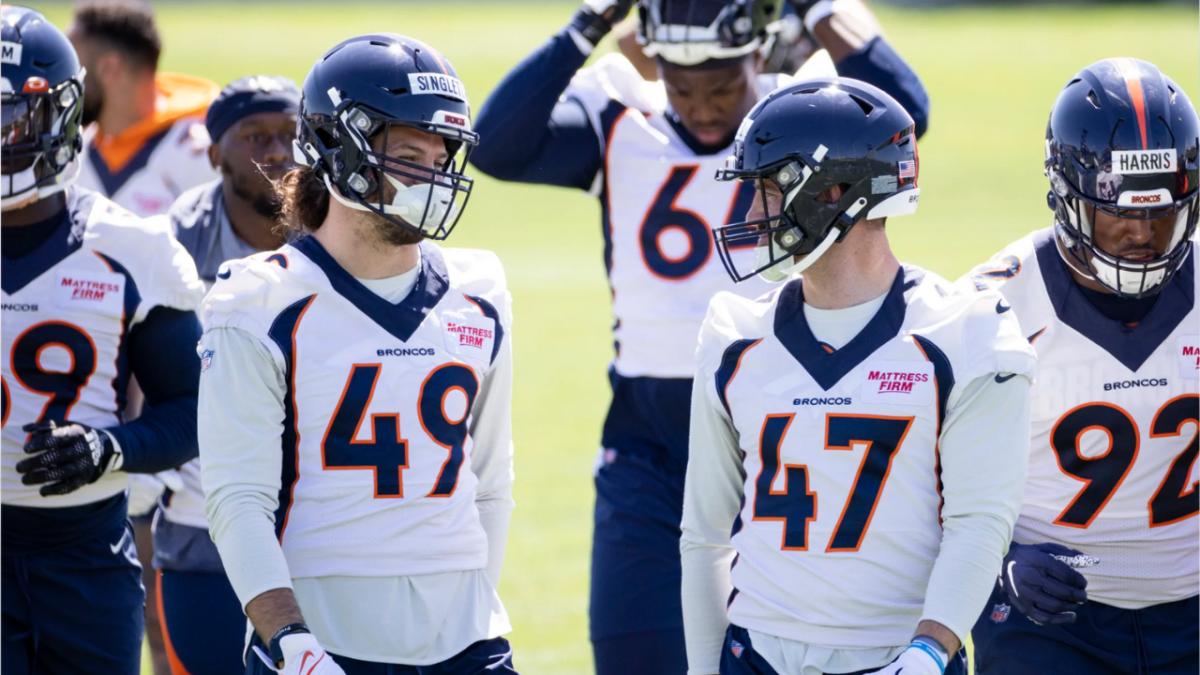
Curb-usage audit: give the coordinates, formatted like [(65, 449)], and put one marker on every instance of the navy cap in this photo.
[(248, 96)]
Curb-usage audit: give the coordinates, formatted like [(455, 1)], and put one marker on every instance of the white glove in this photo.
[(919, 659), (302, 655)]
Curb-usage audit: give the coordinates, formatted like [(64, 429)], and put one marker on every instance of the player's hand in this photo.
[(595, 18), (302, 655), (918, 659), (65, 458), (1040, 585)]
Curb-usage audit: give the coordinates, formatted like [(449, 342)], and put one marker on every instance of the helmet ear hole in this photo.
[(359, 183)]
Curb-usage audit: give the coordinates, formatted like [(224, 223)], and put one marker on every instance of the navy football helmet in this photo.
[(805, 139), (42, 104), (690, 32), (1123, 139), (354, 94)]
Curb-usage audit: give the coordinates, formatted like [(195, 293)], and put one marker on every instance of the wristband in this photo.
[(274, 647), (933, 648)]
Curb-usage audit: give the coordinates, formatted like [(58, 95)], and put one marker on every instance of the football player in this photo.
[(148, 142), (355, 395), (145, 144), (93, 295), (648, 150), (1104, 569), (858, 435), (252, 123)]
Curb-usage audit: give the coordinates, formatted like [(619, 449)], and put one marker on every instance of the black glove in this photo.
[(66, 457), (595, 18), (1042, 587)]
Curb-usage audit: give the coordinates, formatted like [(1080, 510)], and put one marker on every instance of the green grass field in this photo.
[(992, 74)]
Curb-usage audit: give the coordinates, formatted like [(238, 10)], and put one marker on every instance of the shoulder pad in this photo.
[(732, 317), (479, 273), (1004, 267), (976, 328), (613, 78), (249, 292)]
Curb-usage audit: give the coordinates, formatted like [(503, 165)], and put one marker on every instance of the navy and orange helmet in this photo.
[(1123, 139)]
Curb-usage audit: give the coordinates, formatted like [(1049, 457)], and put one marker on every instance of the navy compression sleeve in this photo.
[(526, 134), (162, 356), (880, 65)]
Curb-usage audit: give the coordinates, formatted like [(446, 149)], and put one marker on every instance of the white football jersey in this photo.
[(68, 309), (660, 201), (159, 159), (840, 522), (1112, 470), (376, 477)]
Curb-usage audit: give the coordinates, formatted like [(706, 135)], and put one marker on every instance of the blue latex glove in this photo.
[(1043, 588)]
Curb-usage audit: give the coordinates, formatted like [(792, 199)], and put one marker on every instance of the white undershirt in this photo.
[(836, 327), (413, 620)]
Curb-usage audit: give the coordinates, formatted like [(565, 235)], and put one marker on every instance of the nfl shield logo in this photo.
[(206, 358), (1000, 612), (737, 648)]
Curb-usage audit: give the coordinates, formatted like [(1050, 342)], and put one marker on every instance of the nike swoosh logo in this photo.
[(1001, 379), (119, 546), (304, 660), (1012, 583), (1001, 307), (224, 274)]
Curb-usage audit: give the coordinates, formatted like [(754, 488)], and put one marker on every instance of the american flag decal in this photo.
[(908, 168)]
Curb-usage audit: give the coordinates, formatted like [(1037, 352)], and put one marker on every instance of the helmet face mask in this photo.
[(346, 138), (1145, 169), (41, 106), (1079, 221)]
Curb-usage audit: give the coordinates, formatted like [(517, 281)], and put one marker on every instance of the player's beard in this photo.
[(394, 234), (385, 229), (266, 202)]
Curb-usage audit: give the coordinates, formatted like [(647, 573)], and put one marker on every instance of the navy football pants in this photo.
[(204, 629), (739, 658), (486, 657), (1104, 640), (636, 621), (74, 609)]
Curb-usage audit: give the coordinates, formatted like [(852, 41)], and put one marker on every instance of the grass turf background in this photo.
[(992, 73)]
